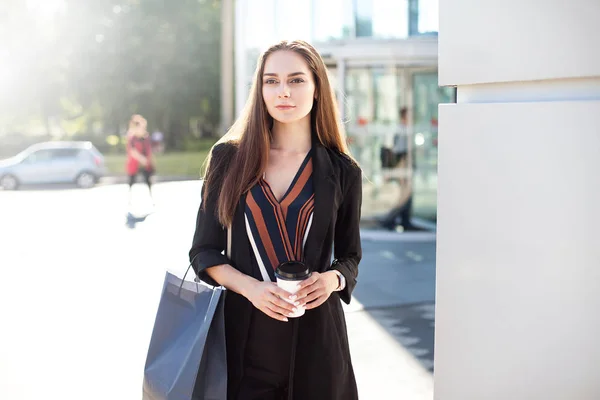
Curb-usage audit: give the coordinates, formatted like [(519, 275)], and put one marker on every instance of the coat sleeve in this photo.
[(210, 237), (347, 246)]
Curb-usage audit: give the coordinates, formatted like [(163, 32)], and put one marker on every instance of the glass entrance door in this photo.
[(391, 122), (427, 95)]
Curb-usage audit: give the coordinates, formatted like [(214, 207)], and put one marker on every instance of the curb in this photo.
[(387, 236), (120, 179)]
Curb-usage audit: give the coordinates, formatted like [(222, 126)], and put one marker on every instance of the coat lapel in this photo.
[(325, 187), (241, 245)]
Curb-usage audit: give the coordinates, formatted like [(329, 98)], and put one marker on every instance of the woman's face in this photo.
[(288, 87), (138, 126)]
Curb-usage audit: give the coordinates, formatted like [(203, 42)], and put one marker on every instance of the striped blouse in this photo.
[(277, 230)]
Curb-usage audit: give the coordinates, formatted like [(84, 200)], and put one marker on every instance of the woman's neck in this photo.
[(294, 137)]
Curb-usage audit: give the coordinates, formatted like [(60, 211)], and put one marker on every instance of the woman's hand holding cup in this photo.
[(315, 290), (289, 275), (268, 298)]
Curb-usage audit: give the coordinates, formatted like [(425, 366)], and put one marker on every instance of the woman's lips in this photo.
[(284, 107)]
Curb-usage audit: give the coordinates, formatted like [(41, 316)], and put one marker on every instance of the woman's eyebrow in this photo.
[(292, 74)]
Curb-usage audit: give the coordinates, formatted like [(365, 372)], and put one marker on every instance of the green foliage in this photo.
[(188, 164), (87, 69), (204, 144)]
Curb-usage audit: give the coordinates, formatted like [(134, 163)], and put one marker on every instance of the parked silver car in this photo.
[(53, 162)]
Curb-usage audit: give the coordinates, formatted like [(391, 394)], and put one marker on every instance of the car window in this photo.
[(95, 152), (47, 155), (63, 154), (85, 154), (40, 156)]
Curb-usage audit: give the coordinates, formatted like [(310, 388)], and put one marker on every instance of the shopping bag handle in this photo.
[(198, 280)]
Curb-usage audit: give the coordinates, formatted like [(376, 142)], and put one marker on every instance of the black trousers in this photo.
[(147, 174), (399, 215), (267, 359)]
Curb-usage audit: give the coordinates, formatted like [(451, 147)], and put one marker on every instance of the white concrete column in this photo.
[(518, 260)]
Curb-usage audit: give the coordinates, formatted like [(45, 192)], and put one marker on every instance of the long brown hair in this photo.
[(137, 124), (251, 133)]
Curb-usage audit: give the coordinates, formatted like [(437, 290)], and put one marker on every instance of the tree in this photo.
[(108, 59)]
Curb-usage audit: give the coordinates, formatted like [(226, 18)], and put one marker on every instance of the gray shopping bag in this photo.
[(187, 357)]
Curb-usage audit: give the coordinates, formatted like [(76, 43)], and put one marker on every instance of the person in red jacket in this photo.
[(139, 153)]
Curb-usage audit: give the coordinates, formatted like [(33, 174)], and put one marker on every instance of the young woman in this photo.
[(283, 181), (139, 152)]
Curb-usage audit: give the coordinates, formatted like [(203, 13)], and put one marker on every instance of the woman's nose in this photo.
[(284, 91)]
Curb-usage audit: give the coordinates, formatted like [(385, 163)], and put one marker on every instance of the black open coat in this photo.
[(323, 369)]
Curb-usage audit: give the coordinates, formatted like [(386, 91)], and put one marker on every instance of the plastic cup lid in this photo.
[(292, 270)]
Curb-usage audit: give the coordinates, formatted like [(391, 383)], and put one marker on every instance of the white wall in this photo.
[(518, 40), (518, 263)]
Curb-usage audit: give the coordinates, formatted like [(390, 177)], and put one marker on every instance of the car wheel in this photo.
[(85, 180), (9, 182)]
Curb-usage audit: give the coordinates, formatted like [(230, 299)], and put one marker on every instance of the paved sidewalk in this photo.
[(391, 317), (89, 312)]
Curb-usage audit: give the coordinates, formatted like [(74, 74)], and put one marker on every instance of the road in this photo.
[(80, 287)]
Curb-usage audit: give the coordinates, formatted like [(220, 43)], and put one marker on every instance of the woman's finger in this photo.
[(273, 314), (311, 297), (310, 281), (316, 303), (276, 290), (307, 291), (281, 303), (282, 312)]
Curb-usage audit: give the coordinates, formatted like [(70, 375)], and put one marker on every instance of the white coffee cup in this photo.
[(289, 275)]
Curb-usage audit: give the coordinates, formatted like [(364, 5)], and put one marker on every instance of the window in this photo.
[(428, 16), (359, 95), (374, 95), (382, 19), (424, 17), (49, 155), (292, 19), (427, 96), (40, 156), (386, 94), (65, 154), (390, 19), (363, 18), (332, 20)]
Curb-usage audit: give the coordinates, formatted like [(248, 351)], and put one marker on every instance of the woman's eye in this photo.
[(270, 81), (297, 80)]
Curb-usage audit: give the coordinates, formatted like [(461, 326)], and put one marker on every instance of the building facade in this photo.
[(382, 56)]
